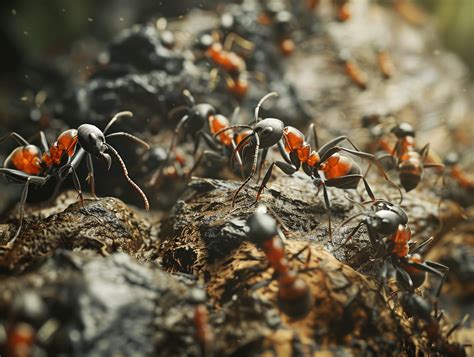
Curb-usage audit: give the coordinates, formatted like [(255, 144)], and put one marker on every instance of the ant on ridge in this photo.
[(199, 120), (294, 295), (340, 171), (464, 180), (28, 165)]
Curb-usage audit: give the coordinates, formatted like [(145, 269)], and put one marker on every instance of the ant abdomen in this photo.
[(294, 296)]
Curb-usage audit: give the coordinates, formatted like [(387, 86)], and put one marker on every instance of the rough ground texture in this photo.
[(105, 279)]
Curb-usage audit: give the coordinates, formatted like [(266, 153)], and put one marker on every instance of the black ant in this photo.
[(200, 121), (294, 295), (27, 165), (340, 171), (428, 321)]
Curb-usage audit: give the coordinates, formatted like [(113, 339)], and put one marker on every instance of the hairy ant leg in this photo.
[(288, 169), (65, 171)]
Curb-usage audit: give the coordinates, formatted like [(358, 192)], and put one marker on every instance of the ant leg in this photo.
[(254, 167), (156, 177), (64, 171), (318, 181), (232, 38), (130, 181), (44, 142), (457, 325), (199, 159), (348, 180), (333, 143), (283, 153), (239, 147), (238, 158), (130, 136), (349, 237), (262, 162), (115, 118), (17, 137), (405, 276), (283, 166), (90, 175), (24, 195), (420, 247)]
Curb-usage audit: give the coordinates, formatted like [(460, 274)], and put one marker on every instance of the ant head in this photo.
[(205, 41), (92, 140), (402, 130), (451, 159), (383, 205), (269, 131), (261, 227), (384, 222), (283, 21)]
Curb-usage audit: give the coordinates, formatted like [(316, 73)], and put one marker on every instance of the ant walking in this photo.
[(29, 166), (294, 295), (339, 170)]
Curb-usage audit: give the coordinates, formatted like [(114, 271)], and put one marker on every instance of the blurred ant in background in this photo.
[(204, 334), (456, 172), (28, 165), (294, 295), (340, 171), (353, 70), (341, 8), (230, 64)]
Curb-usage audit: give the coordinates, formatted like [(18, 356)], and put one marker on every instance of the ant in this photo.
[(203, 333), (457, 173), (342, 8), (409, 162), (282, 21), (231, 64), (199, 120), (429, 322), (294, 295), (26, 164), (340, 171), (385, 64), (353, 71)]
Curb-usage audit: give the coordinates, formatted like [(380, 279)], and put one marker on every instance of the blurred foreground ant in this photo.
[(204, 334), (294, 295), (231, 65), (27, 165), (428, 321), (340, 171)]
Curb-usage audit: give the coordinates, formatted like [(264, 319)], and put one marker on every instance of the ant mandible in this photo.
[(28, 165), (294, 295), (340, 171)]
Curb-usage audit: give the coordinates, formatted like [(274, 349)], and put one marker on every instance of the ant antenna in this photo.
[(130, 181), (257, 108), (117, 117)]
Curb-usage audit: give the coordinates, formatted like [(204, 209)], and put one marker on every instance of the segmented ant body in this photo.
[(340, 171), (294, 295), (231, 65), (29, 166), (410, 162)]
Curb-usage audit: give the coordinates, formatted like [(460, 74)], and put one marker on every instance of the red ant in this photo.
[(282, 23), (385, 64), (204, 333), (353, 71), (231, 64), (457, 173), (294, 295), (26, 164), (199, 120), (340, 171), (410, 163)]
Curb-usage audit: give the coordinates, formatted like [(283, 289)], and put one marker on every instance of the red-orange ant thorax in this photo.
[(20, 340), (337, 166), (64, 145), (287, 46), (293, 138), (218, 122), (26, 159), (238, 86), (275, 252), (228, 61), (400, 241)]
